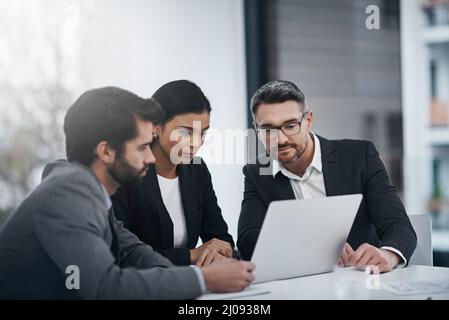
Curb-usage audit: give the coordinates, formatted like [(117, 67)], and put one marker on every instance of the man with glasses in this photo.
[(305, 166)]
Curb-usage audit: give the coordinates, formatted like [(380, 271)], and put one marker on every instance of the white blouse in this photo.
[(171, 195)]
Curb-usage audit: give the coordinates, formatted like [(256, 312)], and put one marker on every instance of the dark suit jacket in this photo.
[(65, 221), (142, 210), (349, 167)]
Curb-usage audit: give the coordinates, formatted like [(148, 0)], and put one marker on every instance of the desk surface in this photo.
[(345, 283)]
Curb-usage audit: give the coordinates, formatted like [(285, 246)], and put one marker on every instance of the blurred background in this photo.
[(389, 85)]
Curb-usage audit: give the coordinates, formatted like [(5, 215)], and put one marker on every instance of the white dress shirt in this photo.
[(171, 195), (311, 184)]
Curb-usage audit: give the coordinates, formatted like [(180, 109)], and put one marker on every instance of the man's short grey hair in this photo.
[(278, 91)]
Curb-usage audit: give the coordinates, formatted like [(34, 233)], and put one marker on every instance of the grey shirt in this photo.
[(64, 222)]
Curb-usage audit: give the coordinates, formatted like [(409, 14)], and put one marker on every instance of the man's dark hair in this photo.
[(105, 114), (179, 97), (277, 91)]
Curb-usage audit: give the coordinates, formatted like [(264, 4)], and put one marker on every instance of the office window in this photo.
[(349, 74)]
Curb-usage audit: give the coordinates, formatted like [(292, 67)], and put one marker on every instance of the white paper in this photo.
[(248, 292), (418, 287)]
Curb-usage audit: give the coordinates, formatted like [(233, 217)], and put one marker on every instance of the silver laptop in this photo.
[(303, 237)]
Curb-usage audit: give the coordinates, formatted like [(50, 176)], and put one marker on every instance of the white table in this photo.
[(344, 283)]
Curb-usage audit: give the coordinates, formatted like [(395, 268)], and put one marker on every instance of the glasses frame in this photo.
[(259, 129)]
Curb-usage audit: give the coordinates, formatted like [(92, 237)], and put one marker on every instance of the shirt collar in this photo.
[(106, 197), (315, 164)]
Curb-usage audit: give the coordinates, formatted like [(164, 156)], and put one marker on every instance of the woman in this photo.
[(175, 204)]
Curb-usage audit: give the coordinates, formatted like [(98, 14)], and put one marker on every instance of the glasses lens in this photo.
[(291, 129)]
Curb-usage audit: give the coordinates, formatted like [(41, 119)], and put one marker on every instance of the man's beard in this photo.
[(298, 153), (123, 173)]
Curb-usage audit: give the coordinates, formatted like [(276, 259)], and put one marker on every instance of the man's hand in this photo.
[(210, 251), (379, 259), (208, 256), (346, 253), (228, 275)]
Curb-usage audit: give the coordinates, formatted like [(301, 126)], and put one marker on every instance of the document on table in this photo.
[(248, 292), (418, 287)]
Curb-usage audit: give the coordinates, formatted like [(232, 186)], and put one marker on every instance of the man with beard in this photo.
[(63, 242), (306, 166)]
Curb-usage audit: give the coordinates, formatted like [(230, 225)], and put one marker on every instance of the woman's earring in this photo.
[(155, 136)]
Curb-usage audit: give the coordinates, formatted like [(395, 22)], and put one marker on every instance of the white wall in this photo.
[(140, 45)]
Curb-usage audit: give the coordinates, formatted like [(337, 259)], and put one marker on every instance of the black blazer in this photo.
[(349, 167), (143, 212)]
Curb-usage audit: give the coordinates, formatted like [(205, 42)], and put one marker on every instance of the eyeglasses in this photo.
[(288, 129)]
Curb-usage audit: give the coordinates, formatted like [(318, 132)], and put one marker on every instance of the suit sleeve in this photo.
[(385, 208), (178, 256), (135, 253), (251, 218), (213, 224), (71, 225)]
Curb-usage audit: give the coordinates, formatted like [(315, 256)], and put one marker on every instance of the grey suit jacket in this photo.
[(65, 222)]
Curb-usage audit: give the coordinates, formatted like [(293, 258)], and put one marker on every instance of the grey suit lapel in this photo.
[(115, 246)]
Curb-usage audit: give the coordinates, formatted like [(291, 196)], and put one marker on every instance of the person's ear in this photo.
[(157, 129), (255, 128), (258, 137), (105, 153), (156, 133), (309, 119)]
